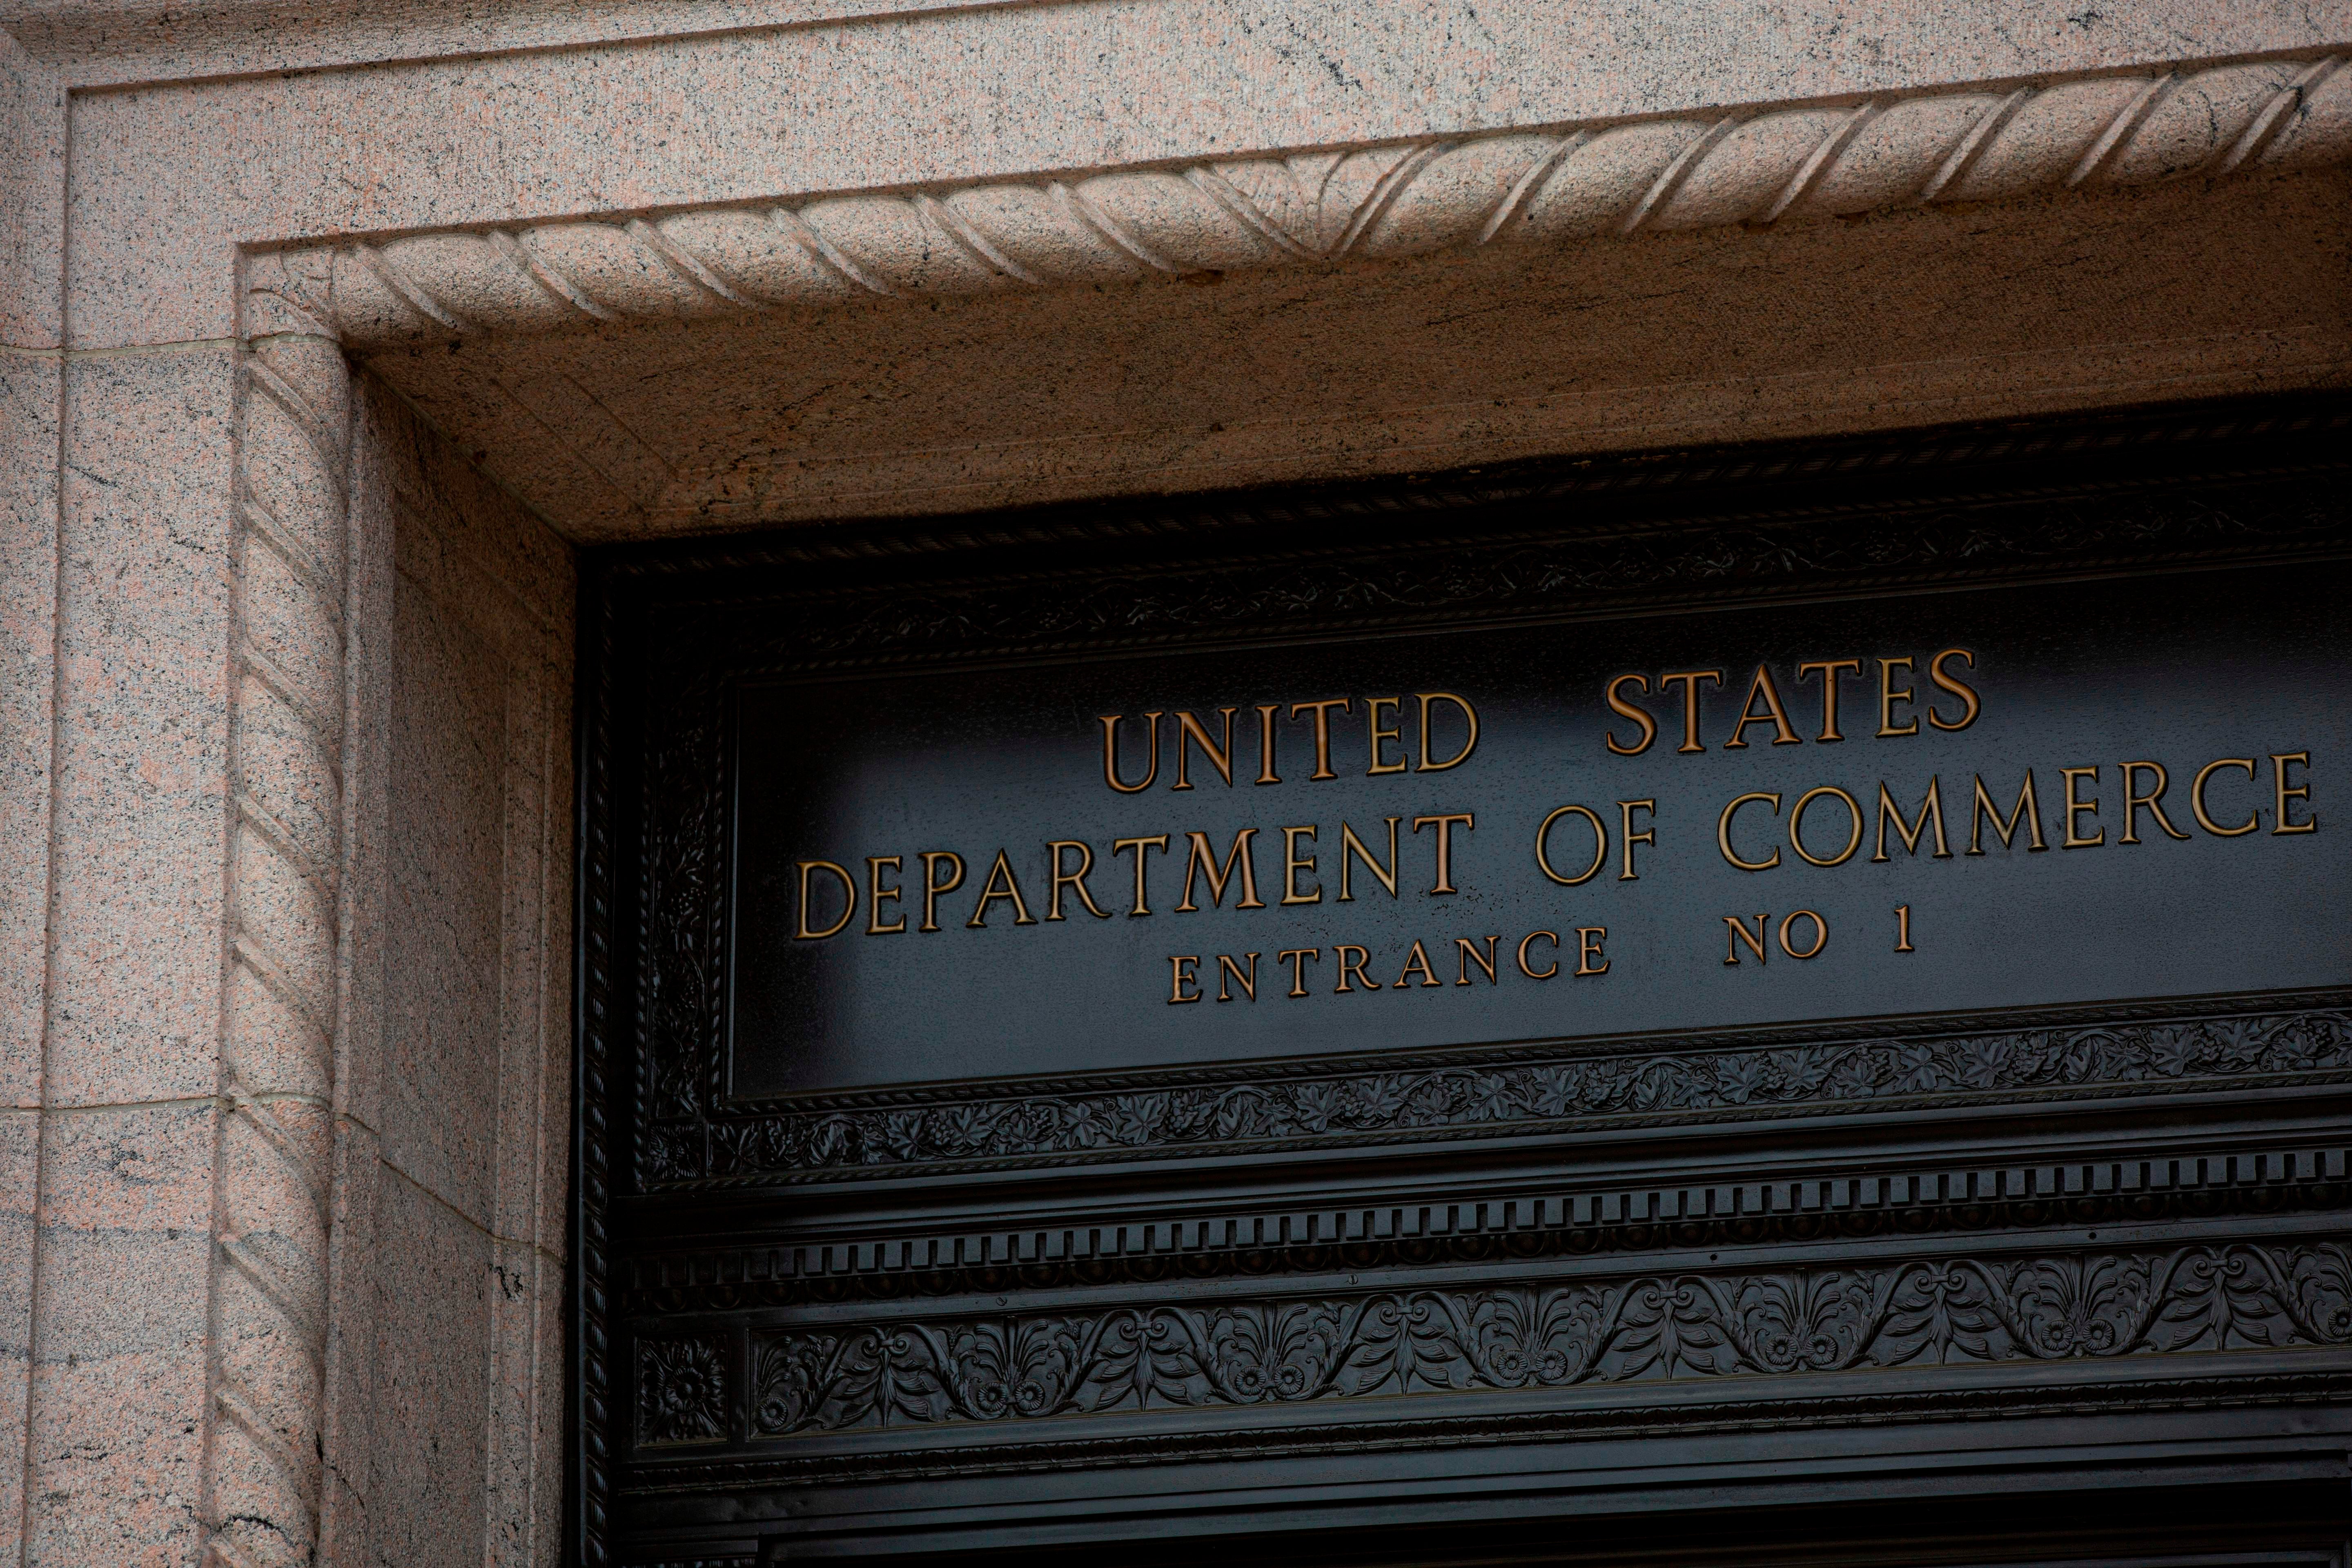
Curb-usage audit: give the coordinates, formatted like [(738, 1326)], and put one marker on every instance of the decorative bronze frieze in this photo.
[(923, 1371)]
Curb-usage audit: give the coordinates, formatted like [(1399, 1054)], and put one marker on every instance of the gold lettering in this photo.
[(1774, 714), (1820, 934), (1266, 712), (2197, 798), (1354, 966), (1121, 846), (1189, 731), (2286, 792), (877, 894), (1738, 937), (1588, 948), (1984, 812), (1445, 845), (1077, 878), (1417, 959), (1629, 838), (1469, 744), (1180, 975), (1796, 821), (1466, 954), (1955, 686), (933, 886), (1228, 970), (1722, 833), (1379, 734), (1931, 809), (2075, 807), (1203, 861), (1640, 716), (1529, 969), (1888, 697), (1298, 958), (801, 932), (1690, 680), (1110, 754), (1902, 929), (1828, 668), (2133, 800), (1292, 865), (1322, 711), (1600, 845), (989, 890), (1351, 848)]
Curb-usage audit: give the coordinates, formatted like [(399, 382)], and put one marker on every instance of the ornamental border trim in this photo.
[(1753, 167), (1302, 1349), (1521, 1091)]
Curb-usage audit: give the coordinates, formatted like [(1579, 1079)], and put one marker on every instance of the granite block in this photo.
[(116, 1437), (421, 1464), (143, 730), (551, 1113), (518, 559), (19, 1185), (347, 1427), (526, 1406), (32, 198), (477, 687), (530, 881), (108, 42), (371, 676), (30, 389), (445, 938)]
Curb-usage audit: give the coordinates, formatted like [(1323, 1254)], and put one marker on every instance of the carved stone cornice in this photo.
[(1755, 167)]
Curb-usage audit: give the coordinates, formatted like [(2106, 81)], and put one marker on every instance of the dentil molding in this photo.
[(1756, 168)]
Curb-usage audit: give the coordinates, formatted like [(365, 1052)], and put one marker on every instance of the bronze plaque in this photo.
[(2054, 795)]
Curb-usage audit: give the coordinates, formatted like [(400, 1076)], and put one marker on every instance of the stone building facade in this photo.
[(330, 334)]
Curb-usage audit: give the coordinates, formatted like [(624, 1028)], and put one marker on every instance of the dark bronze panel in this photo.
[(2164, 680), (1980, 1047)]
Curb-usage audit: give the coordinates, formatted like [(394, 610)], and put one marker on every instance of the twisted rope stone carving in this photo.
[(2098, 1305), (1404, 199), (285, 730)]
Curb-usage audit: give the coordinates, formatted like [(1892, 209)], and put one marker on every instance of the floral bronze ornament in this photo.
[(1686, 1325)]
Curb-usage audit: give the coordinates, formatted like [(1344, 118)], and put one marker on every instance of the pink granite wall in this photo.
[(292, 964), (445, 1352), (32, 125)]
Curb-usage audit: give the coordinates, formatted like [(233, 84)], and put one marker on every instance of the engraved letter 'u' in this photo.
[(1110, 754)]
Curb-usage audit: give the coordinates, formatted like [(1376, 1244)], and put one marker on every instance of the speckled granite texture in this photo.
[(328, 330)]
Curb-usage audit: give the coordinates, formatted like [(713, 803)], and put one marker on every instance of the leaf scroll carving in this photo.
[(1648, 1327), (1798, 1075)]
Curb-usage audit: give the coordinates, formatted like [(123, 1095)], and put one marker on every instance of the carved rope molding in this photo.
[(926, 1371), (285, 729), (1404, 199)]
